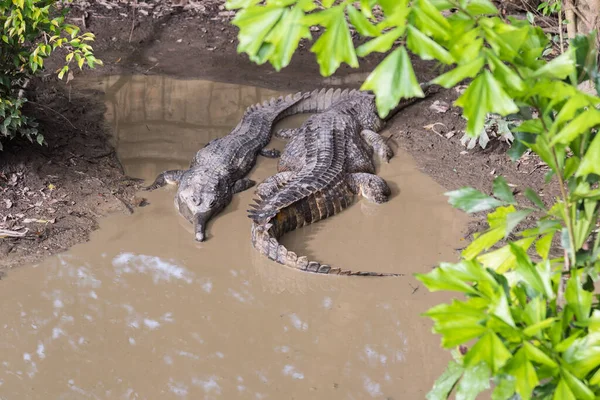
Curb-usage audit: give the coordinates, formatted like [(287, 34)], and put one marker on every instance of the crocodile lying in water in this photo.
[(219, 170), (327, 161)]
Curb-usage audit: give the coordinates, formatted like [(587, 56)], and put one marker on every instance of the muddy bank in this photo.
[(86, 177), (54, 194)]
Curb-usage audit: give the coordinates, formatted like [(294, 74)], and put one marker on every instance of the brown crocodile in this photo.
[(327, 161)]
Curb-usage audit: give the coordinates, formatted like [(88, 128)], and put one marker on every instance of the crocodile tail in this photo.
[(428, 90), (265, 236), (277, 105), (304, 102), (320, 100), (264, 240)]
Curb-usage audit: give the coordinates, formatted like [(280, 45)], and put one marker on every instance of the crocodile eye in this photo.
[(196, 200)]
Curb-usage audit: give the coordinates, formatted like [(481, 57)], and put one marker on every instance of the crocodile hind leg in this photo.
[(272, 184), (242, 184), (170, 177), (379, 145), (270, 153), (370, 186)]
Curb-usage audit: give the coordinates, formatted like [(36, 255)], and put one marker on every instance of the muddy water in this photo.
[(144, 312)]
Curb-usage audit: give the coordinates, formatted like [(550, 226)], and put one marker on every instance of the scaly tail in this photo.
[(265, 236), (264, 240)]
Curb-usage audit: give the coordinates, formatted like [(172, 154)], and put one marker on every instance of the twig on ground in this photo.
[(414, 288), (53, 110), (6, 233), (133, 21)]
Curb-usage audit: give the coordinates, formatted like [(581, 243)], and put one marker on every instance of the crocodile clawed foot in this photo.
[(270, 153), (370, 186)]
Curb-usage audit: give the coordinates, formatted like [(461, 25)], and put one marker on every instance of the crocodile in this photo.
[(219, 169), (327, 161)]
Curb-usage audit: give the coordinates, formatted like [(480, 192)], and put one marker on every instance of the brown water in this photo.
[(144, 312)]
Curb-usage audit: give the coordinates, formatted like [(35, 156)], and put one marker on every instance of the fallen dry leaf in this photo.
[(8, 203), (450, 134), (440, 106)]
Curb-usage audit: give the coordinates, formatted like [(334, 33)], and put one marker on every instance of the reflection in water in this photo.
[(144, 312)]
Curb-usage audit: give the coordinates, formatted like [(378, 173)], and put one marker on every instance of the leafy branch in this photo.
[(531, 315)]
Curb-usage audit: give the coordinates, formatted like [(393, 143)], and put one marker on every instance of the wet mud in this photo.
[(143, 311)]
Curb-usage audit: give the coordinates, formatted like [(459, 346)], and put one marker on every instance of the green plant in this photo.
[(29, 35), (550, 7), (529, 313)]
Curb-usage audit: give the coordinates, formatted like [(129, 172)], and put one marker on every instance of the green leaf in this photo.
[(488, 349), (440, 279), (535, 329), (335, 45), (578, 126), (590, 164), (560, 67), (502, 191), (392, 80), (361, 23), (543, 245), (514, 219), (538, 356), (453, 77), (534, 198), (475, 380), (63, 71), (480, 7), (235, 4), (471, 200), (502, 259), (506, 76), (426, 48), (537, 278), (505, 387), (446, 382), (583, 355), (483, 243), (568, 111), (284, 38), (255, 23), (40, 139), (571, 166), (519, 147), (579, 389), (524, 372), (366, 7), (380, 44), (579, 300), (563, 392), (459, 321), (484, 95), (430, 21)]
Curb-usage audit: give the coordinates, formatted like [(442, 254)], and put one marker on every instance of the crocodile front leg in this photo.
[(270, 153), (379, 145), (242, 184), (170, 177), (370, 186), (273, 183)]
